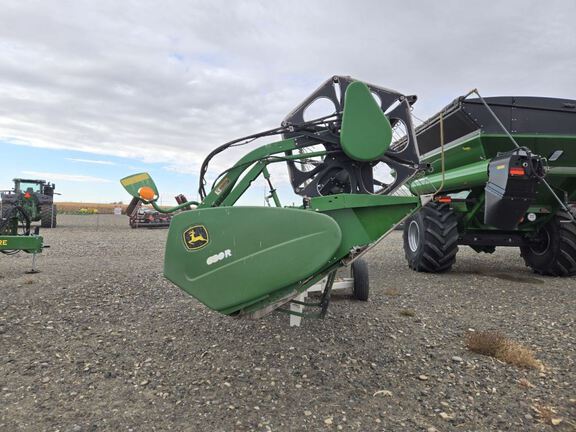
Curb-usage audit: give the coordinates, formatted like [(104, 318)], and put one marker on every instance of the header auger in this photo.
[(249, 261)]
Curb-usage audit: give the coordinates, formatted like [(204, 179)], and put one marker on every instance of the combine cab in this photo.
[(250, 261), (503, 174), (37, 196)]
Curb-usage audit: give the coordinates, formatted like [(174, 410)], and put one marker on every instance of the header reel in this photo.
[(350, 168)]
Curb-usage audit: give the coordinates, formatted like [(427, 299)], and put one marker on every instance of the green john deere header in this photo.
[(249, 261)]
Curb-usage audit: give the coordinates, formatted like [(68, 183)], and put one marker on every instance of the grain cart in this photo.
[(504, 174), (37, 196), (249, 261)]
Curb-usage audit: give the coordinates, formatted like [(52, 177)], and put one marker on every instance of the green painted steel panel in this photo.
[(364, 219), (366, 132), (462, 159), (230, 257), (465, 151), (32, 243)]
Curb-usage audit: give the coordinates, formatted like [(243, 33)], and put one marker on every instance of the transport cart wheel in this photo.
[(48, 216), (554, 252), (361, 287), (431, 238)]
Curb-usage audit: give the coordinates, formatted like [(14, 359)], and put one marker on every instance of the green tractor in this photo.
[(36, 197), (16, 231), (503, 175), (16, 235)]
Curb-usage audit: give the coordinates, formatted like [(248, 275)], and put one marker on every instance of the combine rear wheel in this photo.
[(431, 238), (554, 251), (48, 216), (361, 287)]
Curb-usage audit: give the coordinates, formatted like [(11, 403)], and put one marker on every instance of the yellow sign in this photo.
[(134, 179), (3, 242)]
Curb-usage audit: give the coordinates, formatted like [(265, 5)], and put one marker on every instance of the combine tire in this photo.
[(554, 254), (6, 209), (361, 286), (48, 216), (431, 238)]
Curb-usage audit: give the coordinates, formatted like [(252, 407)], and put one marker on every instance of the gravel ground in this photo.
[(100, 341)]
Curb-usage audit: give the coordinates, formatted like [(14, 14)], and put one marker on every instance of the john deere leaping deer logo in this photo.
[(196, 237)]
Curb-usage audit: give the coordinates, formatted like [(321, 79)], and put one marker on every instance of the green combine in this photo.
[(504, 175)]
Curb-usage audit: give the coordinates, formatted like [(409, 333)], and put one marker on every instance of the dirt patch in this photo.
[(511, 277), (102, 342)]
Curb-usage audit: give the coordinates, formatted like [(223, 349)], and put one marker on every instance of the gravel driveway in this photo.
[(100, 341)]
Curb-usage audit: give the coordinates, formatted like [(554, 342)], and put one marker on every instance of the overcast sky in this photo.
[(159, 84)]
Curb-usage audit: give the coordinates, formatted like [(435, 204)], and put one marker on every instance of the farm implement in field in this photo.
[(29, 201), (504, 174), (250, 261), (360, 174), (17, 235), (143, 217), (37, 196)]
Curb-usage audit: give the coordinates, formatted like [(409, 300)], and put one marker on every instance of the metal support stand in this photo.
[(298, 303), (33, 269)]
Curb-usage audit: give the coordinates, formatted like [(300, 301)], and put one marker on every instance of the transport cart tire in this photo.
[(431, 238), (48, 216), (361, 287), (554, 254)]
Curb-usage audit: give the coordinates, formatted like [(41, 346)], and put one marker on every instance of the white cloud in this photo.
[(76, 178), (168, 82), (91, 161)]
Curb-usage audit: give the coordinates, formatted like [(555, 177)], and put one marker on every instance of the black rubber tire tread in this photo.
[(361, 288), (48, 216), (436, 252), (6, 208), (560, 259)]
